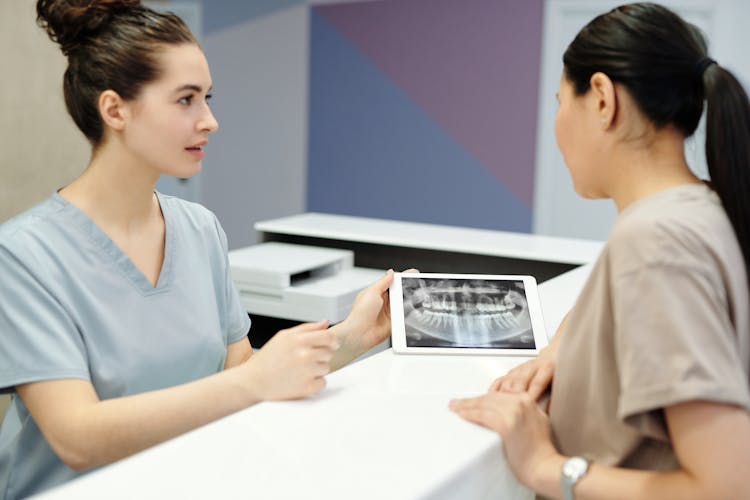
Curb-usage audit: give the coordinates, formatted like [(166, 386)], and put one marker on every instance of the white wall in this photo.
[(256, 164), (42, 149), (558, 210)]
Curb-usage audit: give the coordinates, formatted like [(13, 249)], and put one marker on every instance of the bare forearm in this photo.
[(605, 483), (350, 346), (102, 432)]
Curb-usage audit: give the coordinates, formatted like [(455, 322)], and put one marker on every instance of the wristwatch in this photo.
[(573, 470)]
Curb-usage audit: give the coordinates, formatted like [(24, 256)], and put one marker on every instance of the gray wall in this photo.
[(42, 149)]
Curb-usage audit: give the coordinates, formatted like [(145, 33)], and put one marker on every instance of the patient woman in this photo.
[(119, 325), (651, 394)]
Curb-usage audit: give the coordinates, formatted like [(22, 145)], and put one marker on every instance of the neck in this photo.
[(640, 171), (116, 189)]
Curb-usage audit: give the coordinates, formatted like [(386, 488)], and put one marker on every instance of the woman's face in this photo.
[(170, 119), (578, 132)]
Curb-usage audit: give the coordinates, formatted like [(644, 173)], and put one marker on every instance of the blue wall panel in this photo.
[(373, 152)]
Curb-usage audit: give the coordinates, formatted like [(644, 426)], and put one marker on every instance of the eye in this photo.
[(208, 98), (186, 100)]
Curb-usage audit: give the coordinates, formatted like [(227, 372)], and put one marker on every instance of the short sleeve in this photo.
[(237, 320), (675, 341), (39, 340)]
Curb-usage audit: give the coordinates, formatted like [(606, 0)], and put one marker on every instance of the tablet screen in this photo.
[(466, 313)]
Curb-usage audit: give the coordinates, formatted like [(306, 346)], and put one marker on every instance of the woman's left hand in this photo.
[(369, 322), (371, 312), (522, 425)]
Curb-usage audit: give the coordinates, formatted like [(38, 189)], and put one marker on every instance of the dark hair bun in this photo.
[(72, 22)]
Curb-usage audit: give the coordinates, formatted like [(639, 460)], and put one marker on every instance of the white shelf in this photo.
[(436, 237)]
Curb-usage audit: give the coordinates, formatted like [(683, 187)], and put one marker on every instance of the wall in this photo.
[(425, 110), (328, 120), (42, 150), (255, 165), (558, 210), (288, 144), (266, 69)]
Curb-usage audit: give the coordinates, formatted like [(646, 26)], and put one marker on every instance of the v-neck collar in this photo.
[(117, 257)]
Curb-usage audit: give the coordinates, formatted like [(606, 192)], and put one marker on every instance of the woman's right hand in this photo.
[(293, 363), (533, 376)]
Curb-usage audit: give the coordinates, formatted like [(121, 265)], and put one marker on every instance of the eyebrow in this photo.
[(191, 86)]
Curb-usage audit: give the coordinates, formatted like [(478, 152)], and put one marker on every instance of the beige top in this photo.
[(663, 319)]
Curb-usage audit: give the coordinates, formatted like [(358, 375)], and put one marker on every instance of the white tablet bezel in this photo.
[(398, 328)]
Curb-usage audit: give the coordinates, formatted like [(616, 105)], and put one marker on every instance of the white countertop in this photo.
[(436, 237), (381, 429)]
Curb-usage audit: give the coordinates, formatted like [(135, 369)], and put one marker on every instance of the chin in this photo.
[(584, 192), (186, 172)]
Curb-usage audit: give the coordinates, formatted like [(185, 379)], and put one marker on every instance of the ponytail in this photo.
[(728, 149), (662, 61)]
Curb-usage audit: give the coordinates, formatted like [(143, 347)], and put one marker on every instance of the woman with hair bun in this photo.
[(121, 327), (651, 367)]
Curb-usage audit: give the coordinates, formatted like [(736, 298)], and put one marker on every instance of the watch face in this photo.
[(575, 467)]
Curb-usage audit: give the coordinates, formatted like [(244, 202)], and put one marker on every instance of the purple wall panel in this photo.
[(472, 65)]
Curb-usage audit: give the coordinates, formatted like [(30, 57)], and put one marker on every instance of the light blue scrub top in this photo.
[(73, 305)]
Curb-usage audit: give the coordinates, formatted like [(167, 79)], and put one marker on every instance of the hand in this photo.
[(533, 376), (293, 363), (369, 322), (522, 425)]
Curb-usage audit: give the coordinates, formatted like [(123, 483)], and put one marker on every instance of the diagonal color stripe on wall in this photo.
[(473, 65), (373, 152)]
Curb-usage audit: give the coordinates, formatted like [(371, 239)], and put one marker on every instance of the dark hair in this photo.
[(110, 44), (662, 61)]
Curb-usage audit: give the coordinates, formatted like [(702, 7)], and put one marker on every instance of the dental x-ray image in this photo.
[(466, 313)]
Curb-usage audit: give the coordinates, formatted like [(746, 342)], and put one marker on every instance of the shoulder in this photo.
[(35, 226), (685, 226)]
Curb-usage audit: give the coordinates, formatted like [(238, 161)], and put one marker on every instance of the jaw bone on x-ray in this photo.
[(466, 313)]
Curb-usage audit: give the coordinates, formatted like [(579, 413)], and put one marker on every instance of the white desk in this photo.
[(381, 429)]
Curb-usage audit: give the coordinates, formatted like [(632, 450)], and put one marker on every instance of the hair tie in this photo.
[(701, 66)]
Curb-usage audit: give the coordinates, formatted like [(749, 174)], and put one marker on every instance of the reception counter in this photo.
[(381, 429), (380, 244)]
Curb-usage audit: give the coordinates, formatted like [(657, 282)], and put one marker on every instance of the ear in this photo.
[(603, 90), (113, 110)]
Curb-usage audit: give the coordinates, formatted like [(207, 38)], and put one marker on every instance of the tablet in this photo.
[(466, 314)]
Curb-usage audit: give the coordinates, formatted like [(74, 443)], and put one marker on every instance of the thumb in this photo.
[(382, 285)]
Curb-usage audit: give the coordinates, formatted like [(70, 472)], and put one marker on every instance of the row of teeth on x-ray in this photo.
[(443, 311), (479, 311)]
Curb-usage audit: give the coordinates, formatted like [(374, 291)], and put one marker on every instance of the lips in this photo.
[(197, 147), (197, 150)]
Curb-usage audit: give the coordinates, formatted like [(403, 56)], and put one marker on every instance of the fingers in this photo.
[(496, 384), (315, 386), (520, 378), (484, 410), (325, 339), (501, 412), (515, 380), (312, 335), (308, 327), (411, 270), (541, 381)]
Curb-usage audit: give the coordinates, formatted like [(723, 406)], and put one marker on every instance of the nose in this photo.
[(207, 122)]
